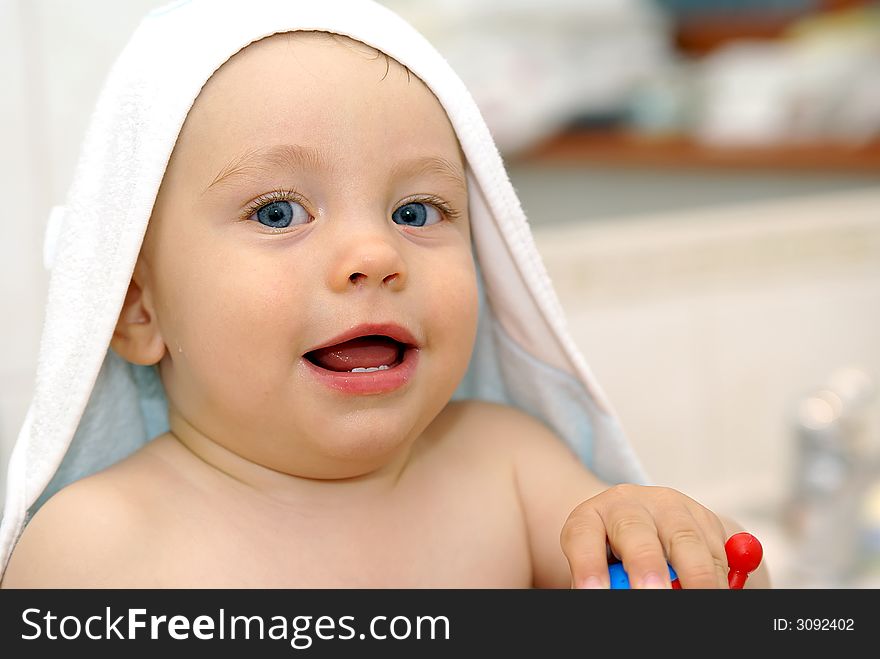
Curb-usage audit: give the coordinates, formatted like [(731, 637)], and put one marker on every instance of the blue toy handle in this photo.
[(620, 581)]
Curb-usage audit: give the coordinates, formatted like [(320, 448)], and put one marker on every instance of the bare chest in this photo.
[(468, 536)]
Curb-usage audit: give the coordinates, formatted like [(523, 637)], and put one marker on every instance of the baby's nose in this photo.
[(369, 260)]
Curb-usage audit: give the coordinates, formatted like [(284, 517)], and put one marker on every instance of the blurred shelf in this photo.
[(704, 29), (620, 148), (704, 33)]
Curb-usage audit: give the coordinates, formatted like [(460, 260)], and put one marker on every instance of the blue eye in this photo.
[(415, 214), (281, 214)]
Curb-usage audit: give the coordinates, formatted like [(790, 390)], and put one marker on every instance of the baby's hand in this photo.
[(644, 526)]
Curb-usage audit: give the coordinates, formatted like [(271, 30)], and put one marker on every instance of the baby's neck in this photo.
[(292, 486)]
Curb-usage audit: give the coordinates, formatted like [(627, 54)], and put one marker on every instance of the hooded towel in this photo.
[(91, 408)]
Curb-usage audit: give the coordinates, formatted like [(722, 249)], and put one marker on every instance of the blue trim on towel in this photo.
[(501, 371), (106, 433), (152, 399)]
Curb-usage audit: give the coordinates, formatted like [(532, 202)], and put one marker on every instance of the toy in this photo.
[(744, 554), (620, 581)]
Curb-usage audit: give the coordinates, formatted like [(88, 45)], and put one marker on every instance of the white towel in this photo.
[(90, 408)]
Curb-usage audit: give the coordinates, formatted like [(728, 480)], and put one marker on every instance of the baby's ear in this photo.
[(137, 337)]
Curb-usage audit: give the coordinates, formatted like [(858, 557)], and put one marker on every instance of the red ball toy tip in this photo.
[(744, 552)]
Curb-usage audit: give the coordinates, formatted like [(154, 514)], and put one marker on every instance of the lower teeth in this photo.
[(371, 369)]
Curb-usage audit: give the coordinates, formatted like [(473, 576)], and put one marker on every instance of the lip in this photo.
[(375, 382), (393, 330)]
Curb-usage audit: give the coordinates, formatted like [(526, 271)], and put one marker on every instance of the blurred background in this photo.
[(703, 181)]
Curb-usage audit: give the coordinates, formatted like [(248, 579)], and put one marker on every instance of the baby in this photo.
[(308, 291)]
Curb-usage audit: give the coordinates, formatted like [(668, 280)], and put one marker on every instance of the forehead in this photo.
[(323, 92)]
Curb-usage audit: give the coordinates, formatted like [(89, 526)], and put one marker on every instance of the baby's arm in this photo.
[(81, 538), (570, 513)]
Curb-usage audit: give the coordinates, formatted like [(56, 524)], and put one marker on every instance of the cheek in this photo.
[(454, 304), (223, 310)]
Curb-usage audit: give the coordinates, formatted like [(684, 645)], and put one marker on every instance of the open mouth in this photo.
[(370, 359), (363, 354)]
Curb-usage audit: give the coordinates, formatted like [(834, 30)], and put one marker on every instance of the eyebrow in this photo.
[(430, 165), (263, 160), (293, 156)]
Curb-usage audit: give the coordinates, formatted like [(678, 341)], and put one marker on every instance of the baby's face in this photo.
[(315, 188)]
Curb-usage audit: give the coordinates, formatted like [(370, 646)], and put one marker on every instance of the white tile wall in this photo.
[(705, 326)]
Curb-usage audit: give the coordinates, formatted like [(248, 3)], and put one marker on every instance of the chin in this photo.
[(365, 436), (353, 459)]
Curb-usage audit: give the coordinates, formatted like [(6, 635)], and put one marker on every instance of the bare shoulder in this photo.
[(549, 478), (533, 446), (82, 537), (503, 427)]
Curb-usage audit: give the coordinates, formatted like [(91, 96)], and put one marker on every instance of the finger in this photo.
[(715, 535), (633, 536), (584, 545), (696, 555)]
